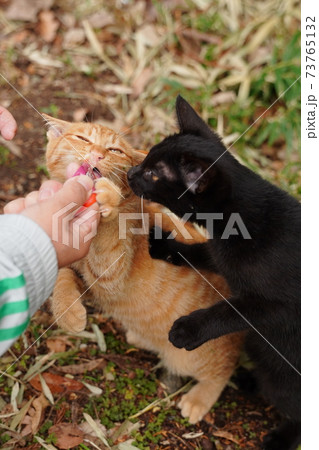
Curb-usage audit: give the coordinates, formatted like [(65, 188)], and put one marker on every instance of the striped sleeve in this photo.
[(14, 309), (28, 270)]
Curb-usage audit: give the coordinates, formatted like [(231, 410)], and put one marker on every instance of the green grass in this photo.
[(276, 130)]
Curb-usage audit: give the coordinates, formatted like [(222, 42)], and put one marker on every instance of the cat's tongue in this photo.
[(86, 169)]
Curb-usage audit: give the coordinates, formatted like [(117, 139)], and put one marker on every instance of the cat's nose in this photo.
[(132, 172), (95, 157)]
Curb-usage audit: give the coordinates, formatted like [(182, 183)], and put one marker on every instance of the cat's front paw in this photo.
[(160, 247), (72, 319), (108, 196), (187, 331)]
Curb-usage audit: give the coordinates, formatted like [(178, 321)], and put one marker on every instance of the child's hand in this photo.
[(55, 202), (8, 126)]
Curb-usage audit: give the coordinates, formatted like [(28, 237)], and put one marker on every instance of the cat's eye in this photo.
[(148, 175), (116, 151), (82, 138)]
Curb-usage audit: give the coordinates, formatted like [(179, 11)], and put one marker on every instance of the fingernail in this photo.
[(86, 181), (45, 193)]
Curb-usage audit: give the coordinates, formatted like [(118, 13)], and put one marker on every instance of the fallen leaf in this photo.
[(225, 435), (88, 430), (56, 383), (75, 369), (93, 389), (73, 37), (35, 415), (101, 18), (97, 430), (192, 435), (141, 81), (47, 26), (67, 434), (26, 11), (56, 345)]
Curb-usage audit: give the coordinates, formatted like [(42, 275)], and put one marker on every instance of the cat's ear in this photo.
[(189, 121), (198, 174), (139, 156), (56, 127)]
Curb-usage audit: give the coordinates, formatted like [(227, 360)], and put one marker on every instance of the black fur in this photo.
[(263, 272)]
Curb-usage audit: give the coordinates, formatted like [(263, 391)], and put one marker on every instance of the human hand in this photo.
[(8, 125), (52, 205)]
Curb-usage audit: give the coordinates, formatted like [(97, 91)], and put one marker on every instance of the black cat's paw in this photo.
[(159, 246), (187, 331)]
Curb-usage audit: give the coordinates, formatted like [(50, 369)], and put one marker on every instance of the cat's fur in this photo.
[(195, 173), (144, 294)]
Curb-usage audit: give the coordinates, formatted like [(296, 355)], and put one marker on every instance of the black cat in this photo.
[(255, 245)]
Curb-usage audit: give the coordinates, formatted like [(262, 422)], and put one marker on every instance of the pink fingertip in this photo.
[(72, 169)]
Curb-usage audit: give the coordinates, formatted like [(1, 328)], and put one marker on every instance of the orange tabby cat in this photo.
[(144, 294)]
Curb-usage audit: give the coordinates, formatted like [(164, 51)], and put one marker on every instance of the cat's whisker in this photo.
[(124, 166), (116, 176), (119, 170), (112, 185), (142, 210)]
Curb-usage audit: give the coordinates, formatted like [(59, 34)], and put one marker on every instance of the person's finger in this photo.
[(8, 125), (71, 169), (15, 206), (48, 189), (31, 199), (77, 190), (86, 225)]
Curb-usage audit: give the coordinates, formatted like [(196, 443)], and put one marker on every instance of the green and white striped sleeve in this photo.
[(28, 270)]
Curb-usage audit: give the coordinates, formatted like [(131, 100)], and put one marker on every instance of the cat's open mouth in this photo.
[(96, 173), (87, 169)]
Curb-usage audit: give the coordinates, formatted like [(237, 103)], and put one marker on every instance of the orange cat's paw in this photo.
[(108, 196), (192, 409), (198, 401), (72, 319)]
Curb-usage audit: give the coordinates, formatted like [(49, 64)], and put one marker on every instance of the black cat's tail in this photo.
[(285, 437)]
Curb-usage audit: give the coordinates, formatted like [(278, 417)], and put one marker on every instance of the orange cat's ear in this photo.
[(56, 127), (139, 156)]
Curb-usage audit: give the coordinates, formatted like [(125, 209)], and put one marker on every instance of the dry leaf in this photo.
[(73, 37), (225, 435), (68, 435), (98, 432), (57, 344), (100, 19), (87, 429), (141, 81), (56, 383), (39, 404), (26, 11), (35, 415), (75, 369), (47, 26)]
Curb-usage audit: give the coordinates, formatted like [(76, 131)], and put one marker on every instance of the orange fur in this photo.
[(145, 295)]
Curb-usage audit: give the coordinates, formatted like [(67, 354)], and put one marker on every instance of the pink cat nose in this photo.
[(95, 157)]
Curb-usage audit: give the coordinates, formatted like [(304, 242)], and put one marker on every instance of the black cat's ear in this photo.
[(197, 174), (189, 121)]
